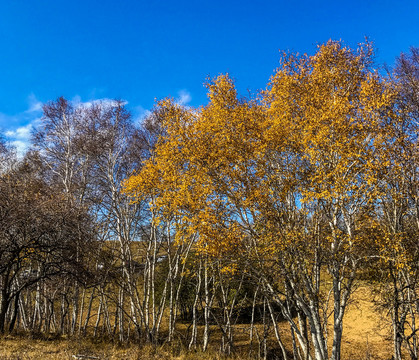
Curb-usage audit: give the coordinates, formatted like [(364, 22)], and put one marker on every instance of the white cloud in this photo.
[(20, 146), (34, 104), (184, 97), (77, 101), (33, 111), (22, 132), (139, 114), (21, 136), (17, 128)]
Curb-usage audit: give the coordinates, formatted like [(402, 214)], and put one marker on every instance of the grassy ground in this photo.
[(18, 348), (366, 337)]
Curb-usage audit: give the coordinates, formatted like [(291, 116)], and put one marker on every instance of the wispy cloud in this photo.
[(21, 136), (139, 114), (77, 101), (184, 97), (22, 132), (34, 104), (17, 128)]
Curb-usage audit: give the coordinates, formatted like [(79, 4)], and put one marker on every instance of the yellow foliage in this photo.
[(240, 169)]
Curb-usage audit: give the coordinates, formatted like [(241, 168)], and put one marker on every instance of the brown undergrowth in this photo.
[(366, 337)]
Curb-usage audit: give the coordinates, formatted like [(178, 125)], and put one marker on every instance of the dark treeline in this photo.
[(84, 253)]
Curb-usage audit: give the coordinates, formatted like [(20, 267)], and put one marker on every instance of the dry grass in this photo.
[(19, 348), (366, 337), (14, 348)]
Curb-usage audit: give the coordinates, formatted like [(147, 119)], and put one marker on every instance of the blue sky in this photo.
[(140, 51)]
